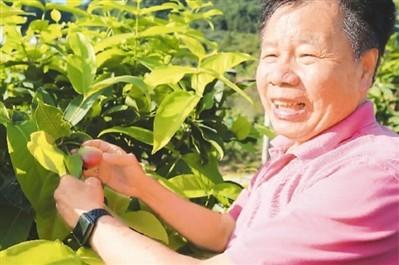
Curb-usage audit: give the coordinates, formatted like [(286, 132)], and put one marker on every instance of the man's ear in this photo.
[(368, 61)]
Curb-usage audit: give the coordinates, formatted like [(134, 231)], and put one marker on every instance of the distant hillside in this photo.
[(236, 30), (239, 15)]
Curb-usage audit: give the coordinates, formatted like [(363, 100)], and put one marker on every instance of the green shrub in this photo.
[(140, 77), (385, 92)]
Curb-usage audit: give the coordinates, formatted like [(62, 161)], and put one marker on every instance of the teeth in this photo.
[(284, 104)]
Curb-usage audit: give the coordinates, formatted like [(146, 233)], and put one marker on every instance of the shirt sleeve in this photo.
[(350, 217)]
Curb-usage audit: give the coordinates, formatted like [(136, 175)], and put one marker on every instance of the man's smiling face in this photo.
[(307, 77)]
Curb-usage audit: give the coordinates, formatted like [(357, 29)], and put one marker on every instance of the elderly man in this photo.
[(329, 194)]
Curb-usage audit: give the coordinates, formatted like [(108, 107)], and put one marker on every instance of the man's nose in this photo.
[(283, 75)]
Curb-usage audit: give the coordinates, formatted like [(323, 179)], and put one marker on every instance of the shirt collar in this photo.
[(362, 117)]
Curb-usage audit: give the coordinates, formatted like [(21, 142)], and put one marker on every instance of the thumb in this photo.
[(92, 181)]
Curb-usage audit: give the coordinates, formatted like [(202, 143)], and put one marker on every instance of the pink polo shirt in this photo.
[(332, 200)]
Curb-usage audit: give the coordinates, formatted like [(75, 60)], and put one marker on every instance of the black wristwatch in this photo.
[(80, 235)]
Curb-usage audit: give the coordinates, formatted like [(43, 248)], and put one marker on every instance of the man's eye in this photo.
[(307, 55), (307, 58), (269, 57)]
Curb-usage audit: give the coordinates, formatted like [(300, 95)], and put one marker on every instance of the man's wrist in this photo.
[(141, 186), (85, 226)]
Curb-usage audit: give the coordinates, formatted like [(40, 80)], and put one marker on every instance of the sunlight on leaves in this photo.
[(46, 153)]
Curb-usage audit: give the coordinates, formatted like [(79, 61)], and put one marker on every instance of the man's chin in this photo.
[(295, 132)]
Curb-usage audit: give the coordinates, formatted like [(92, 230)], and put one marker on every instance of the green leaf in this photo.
[(15, 225), (116, 202), (227, 190), (11, 16), (46, 153), (213, 138), (17, 20), (82, 47), (49, 223), (147, 224), (241, 128), (171, 114), (143, 135), (221, 62), (113, 53), (200, 80), (51, 120), (74, 3), (138, 100), (193, 186), (212, 13), (215, 66), (66, 8), (150, 63), (79, 74), (53, 32), (156, 8), (33, 3), (235, 88), (113, 41), (136, 81), (38, 25), (37, 183), (79, 107), (194, 45), (194, 4), (176, 241), (169, 185), (74, 165), (89, 257), (39, 252), (217, 147), (81, 67), (209, 170), (162, 30), (111, 5), (4, 117), (168, 75)]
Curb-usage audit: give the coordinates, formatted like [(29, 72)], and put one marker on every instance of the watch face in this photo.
[(85, 223), (83, 228)]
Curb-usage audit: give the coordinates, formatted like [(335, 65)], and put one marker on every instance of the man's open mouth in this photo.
[(280, 104)]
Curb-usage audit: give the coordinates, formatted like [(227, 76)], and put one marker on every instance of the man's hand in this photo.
[(123, 173), (116, 168), (74, 197)]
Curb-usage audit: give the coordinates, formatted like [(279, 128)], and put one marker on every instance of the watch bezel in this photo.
[(83, 228)]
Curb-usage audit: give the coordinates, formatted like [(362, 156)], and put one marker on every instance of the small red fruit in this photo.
[(91, 156)]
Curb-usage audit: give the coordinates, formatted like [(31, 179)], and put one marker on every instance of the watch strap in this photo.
[(84, 228)]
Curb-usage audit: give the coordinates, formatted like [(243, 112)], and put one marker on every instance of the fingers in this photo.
[(120, 159), (92, 172), (95, 173), (65, 182), (92, 181), (104, 146), (73, 196)]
